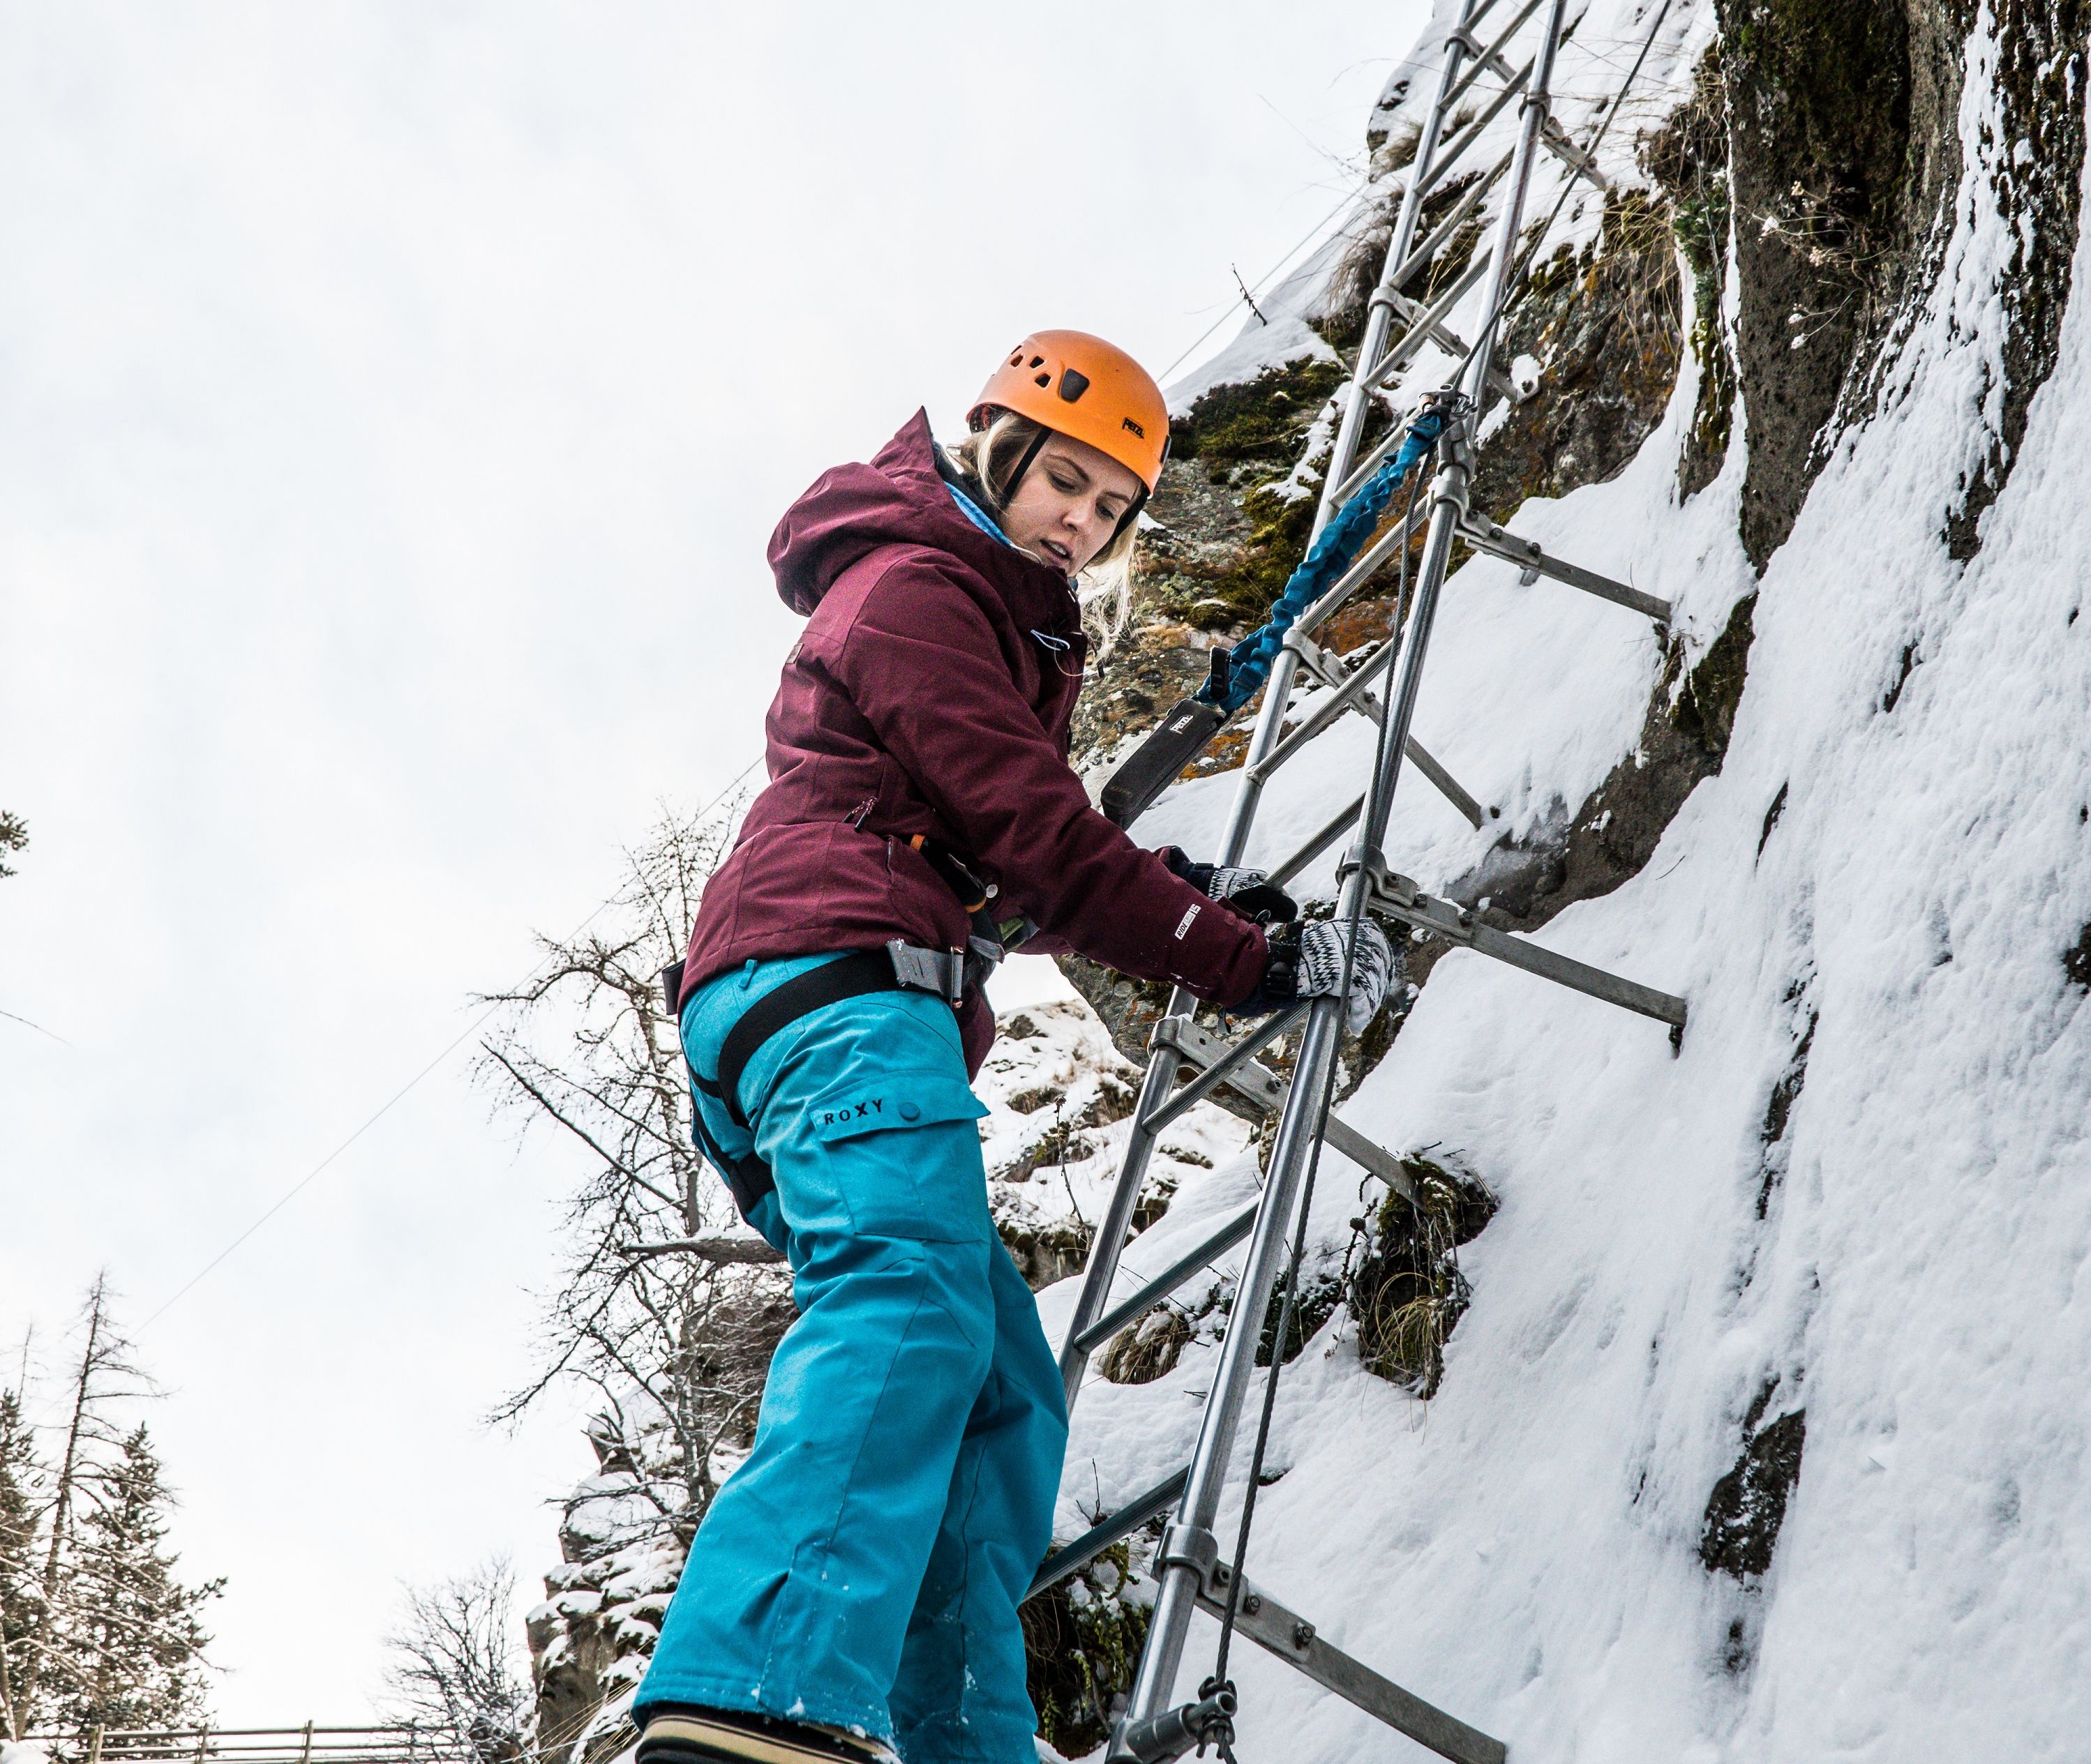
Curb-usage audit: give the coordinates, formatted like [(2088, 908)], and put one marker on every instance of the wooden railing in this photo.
[(308, 1745)]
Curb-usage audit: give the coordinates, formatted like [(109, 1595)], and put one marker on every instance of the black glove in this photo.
[(1307, 962), (1243, 891)]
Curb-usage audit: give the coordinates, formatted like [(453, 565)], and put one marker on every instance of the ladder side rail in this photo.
[(1378, 317), (1300, 1126), (1168, 1630), (1449, 508), (1099, 1273)]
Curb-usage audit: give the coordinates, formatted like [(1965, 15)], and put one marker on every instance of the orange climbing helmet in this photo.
[(1083, 387)]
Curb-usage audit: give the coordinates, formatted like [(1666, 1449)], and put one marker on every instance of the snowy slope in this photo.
[(1901, 1261)]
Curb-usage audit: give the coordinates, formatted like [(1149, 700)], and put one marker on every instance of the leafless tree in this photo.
[(453, 1672), (674, 1345)]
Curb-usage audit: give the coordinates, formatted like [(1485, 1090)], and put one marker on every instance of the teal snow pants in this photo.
[(863, 1567)]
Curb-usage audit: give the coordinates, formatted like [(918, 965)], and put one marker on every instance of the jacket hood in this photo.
[(901, 499)]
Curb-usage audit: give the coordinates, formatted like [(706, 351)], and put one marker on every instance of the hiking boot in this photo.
[(731, 1737)]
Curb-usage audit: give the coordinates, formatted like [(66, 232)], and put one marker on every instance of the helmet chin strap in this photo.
[(1024, 465), (1030, 458)]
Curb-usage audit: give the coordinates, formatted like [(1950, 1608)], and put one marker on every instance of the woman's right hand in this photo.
[(1244, 891)]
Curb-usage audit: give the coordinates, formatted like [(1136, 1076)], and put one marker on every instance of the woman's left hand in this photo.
[(1247, 892)]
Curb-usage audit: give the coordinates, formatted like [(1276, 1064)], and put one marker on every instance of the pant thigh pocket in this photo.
[(903, 1155)]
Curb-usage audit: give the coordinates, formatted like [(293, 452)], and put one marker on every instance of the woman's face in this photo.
[(1069, 504)]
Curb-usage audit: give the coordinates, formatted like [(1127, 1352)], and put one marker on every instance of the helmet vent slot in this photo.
[(1037, 361), (1043, 379)]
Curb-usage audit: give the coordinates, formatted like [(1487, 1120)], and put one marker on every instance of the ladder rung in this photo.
[(1398, 357), (1258, 1084), (1479, 13), (1293, 1640), (1343, 697), (1165, 1283), (1444, 161), (1499, 542), (1330, 670), (1092, 1543), (1451, 224), (1400, 898), (1449, 341), (1318, 842), (1491, 57), (1227, 1060), (1362, 570)]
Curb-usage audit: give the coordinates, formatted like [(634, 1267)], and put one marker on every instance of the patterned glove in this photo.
[(1308, 962), (1247, 891)]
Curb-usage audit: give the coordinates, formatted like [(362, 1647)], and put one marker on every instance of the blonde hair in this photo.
[(989, 458)]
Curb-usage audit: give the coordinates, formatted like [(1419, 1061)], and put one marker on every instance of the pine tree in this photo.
[(130, 1629), (94, 1627), (20, 1607)]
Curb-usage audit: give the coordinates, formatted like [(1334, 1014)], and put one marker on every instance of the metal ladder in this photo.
[(1190, 1062)]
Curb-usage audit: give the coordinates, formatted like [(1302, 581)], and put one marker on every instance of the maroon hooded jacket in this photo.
[(931, 693)]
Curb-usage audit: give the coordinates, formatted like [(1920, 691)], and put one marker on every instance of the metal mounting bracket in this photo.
[(1399, 897), (1533, 561)]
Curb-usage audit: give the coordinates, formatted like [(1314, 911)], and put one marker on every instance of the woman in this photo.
[(853, 1589)]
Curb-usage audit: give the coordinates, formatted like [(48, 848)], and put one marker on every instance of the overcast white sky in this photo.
[(395, 400)]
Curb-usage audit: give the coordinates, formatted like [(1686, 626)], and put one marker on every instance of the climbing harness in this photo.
[(1188, 1060), (899, 966)]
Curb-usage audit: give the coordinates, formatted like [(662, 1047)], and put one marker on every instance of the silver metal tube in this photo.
[(1426, 323), (1452, 223), (1330, 832), (1378, 320), (1473, 130), (1208, 1250), (1448, 498), (1155, 1684), (1359, 573)]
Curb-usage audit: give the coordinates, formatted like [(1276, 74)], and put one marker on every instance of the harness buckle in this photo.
[(941, 971)]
